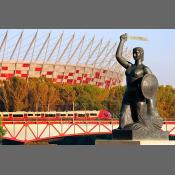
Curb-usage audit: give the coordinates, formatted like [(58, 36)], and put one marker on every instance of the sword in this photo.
[(137, 38)]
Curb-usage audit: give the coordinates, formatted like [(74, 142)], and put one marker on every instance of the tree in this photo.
[(114, 100), (18, 93), (43, 95), (90, 97), (67, 95), (2, 131), (166, 102), (5, 97)]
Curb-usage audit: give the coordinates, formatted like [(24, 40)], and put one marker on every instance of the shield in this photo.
[(149, 86)]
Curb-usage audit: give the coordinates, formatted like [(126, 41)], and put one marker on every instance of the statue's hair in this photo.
[(140, 50)]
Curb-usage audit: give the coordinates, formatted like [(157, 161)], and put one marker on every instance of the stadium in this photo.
[(64, 59)]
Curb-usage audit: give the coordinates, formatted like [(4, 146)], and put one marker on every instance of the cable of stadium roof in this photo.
[(7, 50)]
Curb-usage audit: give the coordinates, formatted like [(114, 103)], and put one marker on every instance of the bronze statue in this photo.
[(138, 112)]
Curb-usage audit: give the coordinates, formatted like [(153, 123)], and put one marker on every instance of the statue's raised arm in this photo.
[(123, 61)]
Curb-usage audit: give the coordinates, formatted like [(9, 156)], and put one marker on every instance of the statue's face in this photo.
[(138, 53)]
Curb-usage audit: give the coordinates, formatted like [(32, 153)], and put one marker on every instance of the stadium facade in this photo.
[(70, 60)]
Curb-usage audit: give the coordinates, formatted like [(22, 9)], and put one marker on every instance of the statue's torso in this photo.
[(134, 75)]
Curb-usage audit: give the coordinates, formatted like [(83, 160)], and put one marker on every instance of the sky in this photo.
[(159, 51)]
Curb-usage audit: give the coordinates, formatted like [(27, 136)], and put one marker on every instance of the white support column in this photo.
[(107, 54), (3, 43), (65, 49), (75, 50), (98, 56), (56, 45), (85, 50), (34, 45), (45, 42), (95, 49), (31, 44), (18, 41), (75, 68)]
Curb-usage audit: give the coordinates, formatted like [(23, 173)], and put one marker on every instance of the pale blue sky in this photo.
[(159, 50)]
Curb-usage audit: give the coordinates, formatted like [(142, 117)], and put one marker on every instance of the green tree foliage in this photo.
[(67, 96), (166, 102), (90, 97), (35, 94), (114, 99), (2, 131)]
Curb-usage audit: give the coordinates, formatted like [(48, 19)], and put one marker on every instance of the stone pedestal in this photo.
[(135, 142), (124, 134)]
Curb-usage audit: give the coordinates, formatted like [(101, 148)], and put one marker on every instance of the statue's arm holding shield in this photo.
[(151, 106), (123, 61)]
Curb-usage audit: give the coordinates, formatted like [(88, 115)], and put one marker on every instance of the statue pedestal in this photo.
[(122, 134), (135, 142)]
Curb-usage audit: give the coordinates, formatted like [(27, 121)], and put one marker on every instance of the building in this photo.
[(70, 60)]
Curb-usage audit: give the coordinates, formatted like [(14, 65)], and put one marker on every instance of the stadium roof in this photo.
[(58, 48)]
